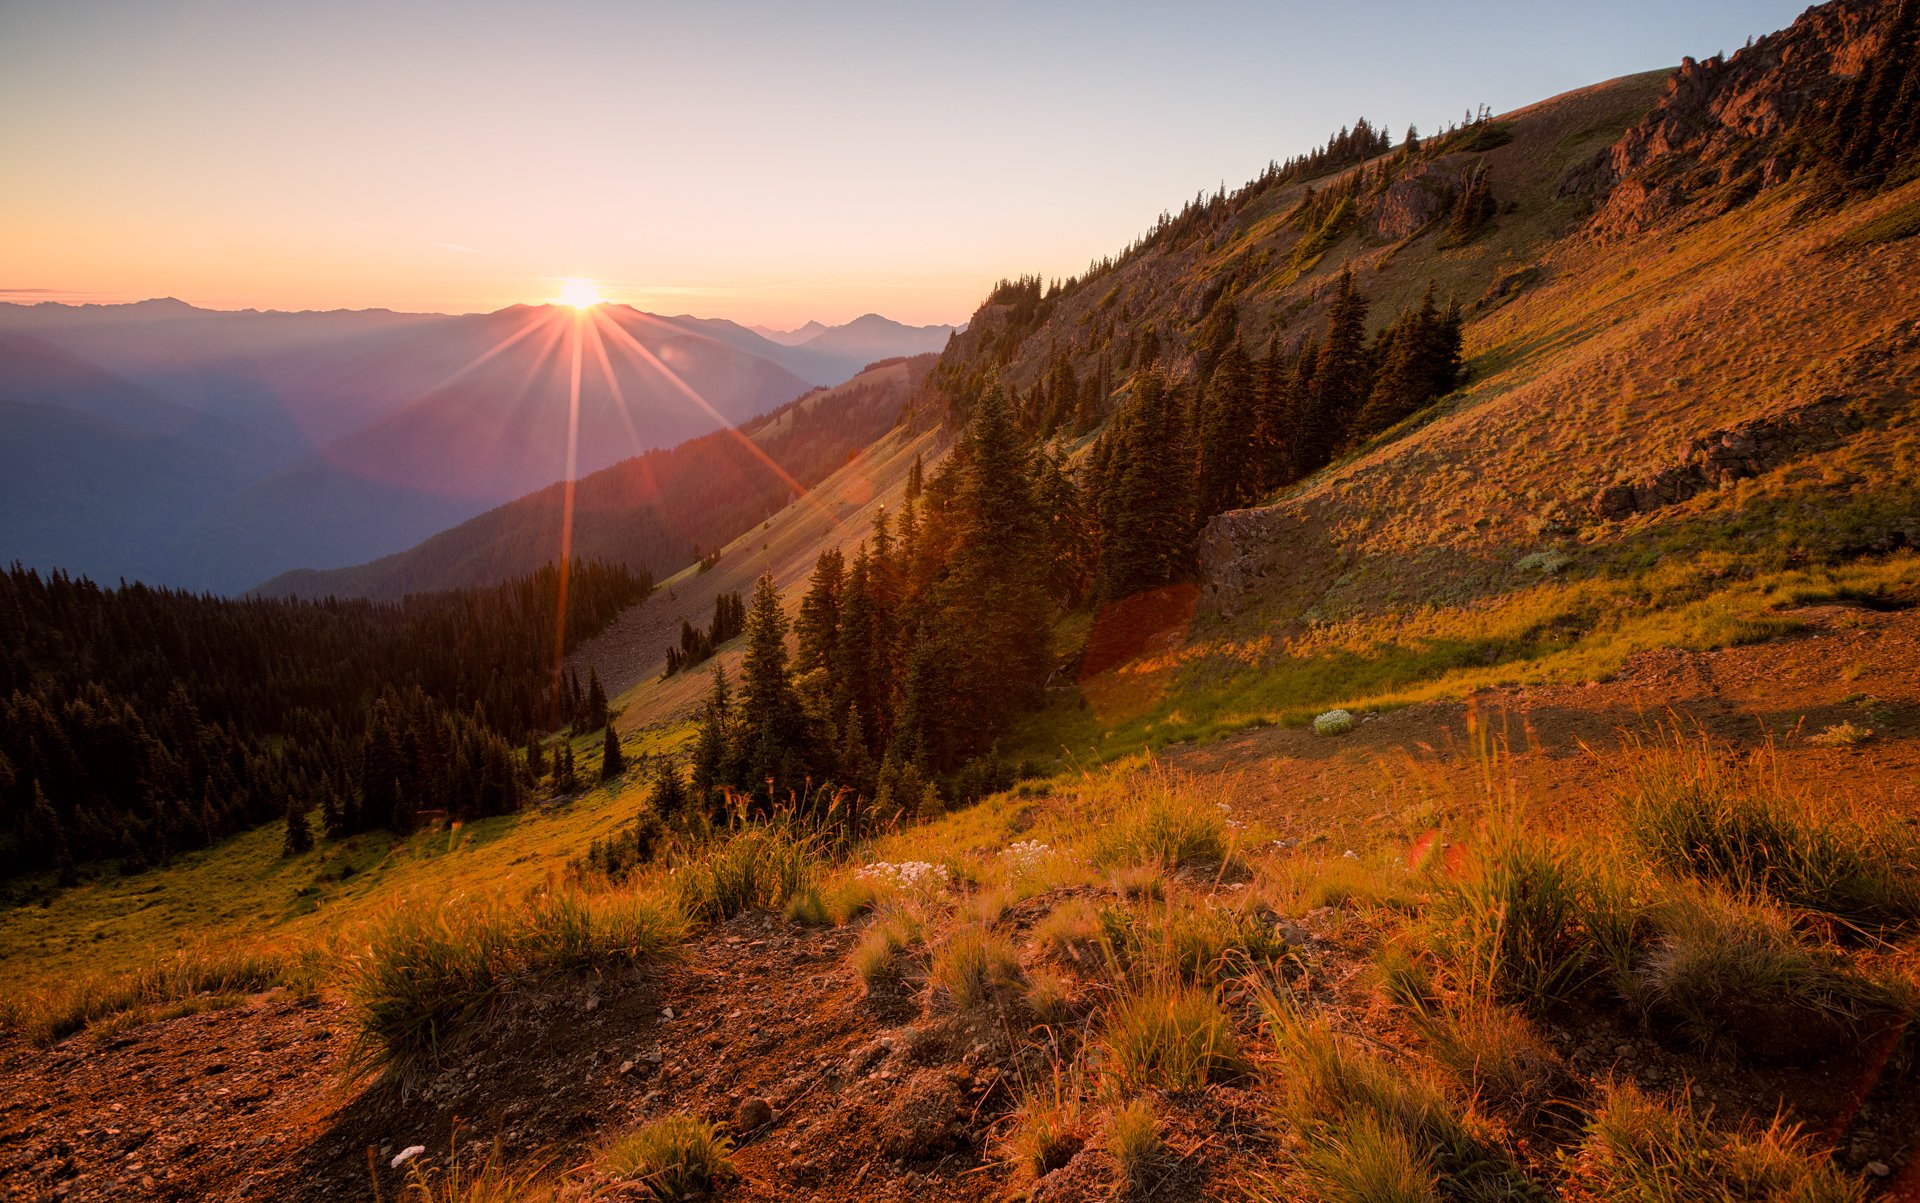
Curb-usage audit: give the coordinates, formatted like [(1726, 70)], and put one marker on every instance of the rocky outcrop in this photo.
[(1412, 202), (1724, 456), (1720, 128), (1249, 557)]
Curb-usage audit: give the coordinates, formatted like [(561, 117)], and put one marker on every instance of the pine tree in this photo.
[(714, 759), (596, 716), (1148, 508), (1227, 475), (565, 778), (771, 722), (819, 624), (994, 611), (916, 479), (669, 797), (613, 761), (299, 838), (1342, 378)]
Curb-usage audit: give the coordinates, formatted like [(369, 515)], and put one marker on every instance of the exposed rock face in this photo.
[(1720, 126), (1241, 551), (1412, 201), (1724, 456)]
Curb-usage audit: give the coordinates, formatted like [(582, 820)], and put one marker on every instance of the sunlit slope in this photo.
[(1738, 388), (631, 655), (1257, 253)]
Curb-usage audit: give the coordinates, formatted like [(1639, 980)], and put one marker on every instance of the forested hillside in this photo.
[(140, 723)]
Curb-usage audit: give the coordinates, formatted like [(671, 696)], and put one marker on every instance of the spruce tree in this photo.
[(596, 701), (669, 796), (299, 838), (1149, 505), (995, 613), (613, 761), (1227, 475), (819, 625), (771, 722), (714, 760), (1341, 378)]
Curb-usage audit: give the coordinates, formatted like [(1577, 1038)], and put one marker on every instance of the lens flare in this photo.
[(581, 294)]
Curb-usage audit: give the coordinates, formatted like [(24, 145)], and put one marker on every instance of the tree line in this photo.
[(140, 723)]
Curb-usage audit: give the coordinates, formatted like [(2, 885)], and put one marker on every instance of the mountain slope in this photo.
[(656, 511)]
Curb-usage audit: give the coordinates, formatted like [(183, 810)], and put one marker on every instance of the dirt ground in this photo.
[(886, 1097)]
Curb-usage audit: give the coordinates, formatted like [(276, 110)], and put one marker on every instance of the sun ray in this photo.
[(566, 517), (537, 318), (800, 491), (613, 384)]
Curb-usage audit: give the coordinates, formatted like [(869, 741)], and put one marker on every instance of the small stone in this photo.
[(626, 1067), (1879, 1169), (753, 1114), (666, 1012), (656, 1056), (407, 1154)]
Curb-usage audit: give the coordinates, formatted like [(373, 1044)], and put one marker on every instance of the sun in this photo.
[(581, 294)]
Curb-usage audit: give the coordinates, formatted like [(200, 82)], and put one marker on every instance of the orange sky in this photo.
[(765, 162)]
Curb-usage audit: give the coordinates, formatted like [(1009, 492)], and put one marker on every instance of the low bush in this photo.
[(1134, 1143), (671, 1158), (1169, 1036), (157, 990), (1643, 1150), (1049, 1126), (972, 964), (1733, 974), (426, 970), (1698, 815), (1513, 923), (1168, 826), (753, 868), (1348, 1103)]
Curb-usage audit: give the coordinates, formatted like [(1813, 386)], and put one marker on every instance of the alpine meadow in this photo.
[(1399, 683)]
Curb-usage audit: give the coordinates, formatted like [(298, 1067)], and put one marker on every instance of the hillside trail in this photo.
[(873, 1096)]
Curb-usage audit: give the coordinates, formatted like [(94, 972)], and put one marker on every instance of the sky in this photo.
[(769, 163)]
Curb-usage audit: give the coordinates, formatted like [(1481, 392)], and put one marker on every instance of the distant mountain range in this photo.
[(213, 450)]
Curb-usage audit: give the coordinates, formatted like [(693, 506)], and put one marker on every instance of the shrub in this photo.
[(1144, 882), (1364, 1161), (1640, 1150), (1330, 1079), (1495, 1055), (1734, 974), (753, 868), (1697, 815), (876, 958), (1133, 1141), (1169, 827), (972, 964), (1048, 1126), (152, 991), (1049, 995), (1847, 734), (1333, 722), (673, 1158), (1347, 883), (1513, 922), (1169, 1036), (425, 971), (1207, 942), (1069, 928)]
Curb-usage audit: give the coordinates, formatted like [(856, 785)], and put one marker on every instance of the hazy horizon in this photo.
[(755, 162)]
